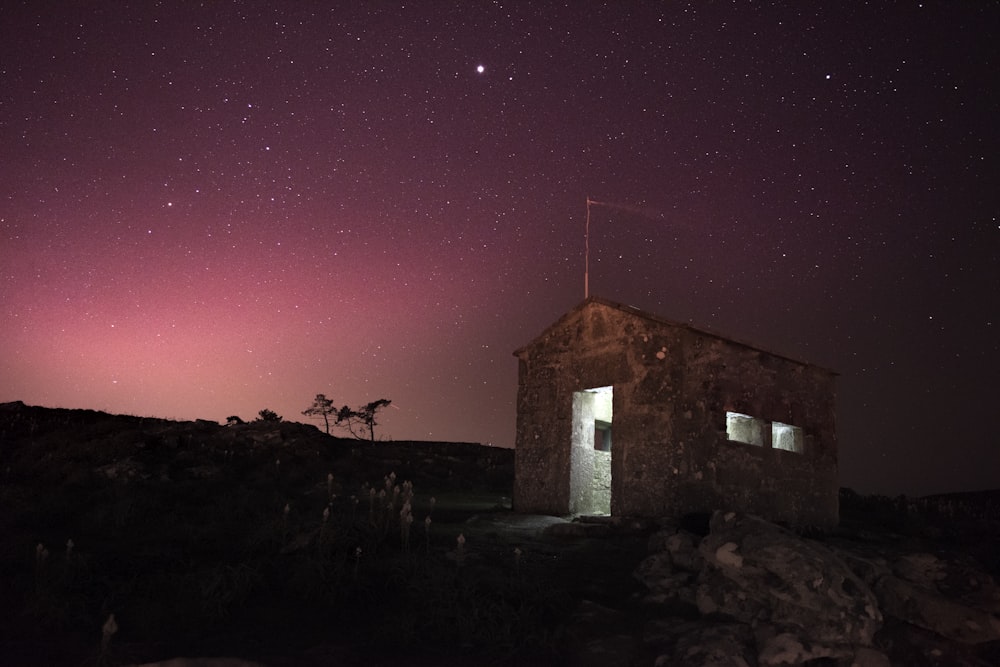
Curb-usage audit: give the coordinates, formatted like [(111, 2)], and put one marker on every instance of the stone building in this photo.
[(625, 413)]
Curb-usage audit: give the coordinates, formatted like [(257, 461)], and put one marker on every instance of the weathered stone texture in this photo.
[(761, 572), (673, 386)]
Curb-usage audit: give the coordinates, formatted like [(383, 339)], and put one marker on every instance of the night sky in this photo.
[(206, 210)]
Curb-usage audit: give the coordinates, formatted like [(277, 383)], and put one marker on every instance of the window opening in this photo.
[(787, 437), (602, 435), (744, 428)]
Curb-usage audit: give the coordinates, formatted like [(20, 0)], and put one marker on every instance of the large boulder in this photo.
[(681, 546), (949, 596), (925, 607), (762, 574), (955, 577)]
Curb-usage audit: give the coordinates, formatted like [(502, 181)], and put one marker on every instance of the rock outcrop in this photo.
[(759, 573), (928, 609), (754, 593)]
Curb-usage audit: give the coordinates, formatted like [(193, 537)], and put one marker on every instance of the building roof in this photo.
[(638, 312)]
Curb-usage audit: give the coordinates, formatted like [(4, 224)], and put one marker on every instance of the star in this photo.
[(397, 201)]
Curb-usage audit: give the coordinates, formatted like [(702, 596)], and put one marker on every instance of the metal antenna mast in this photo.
[(586, 255), (644, 212), (586, 250)]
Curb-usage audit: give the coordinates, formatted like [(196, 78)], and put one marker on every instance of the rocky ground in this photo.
[(276, 542), (752, 593)]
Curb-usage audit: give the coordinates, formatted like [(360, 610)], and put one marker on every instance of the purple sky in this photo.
[(207, 211)]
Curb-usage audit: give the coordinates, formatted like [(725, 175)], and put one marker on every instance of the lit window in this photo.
[(744, 428), (787, 437)]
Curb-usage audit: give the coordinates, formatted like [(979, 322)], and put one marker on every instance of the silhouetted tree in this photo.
[(361, 420), (268, 416), (322, 407), (234, 421), (367, 414)]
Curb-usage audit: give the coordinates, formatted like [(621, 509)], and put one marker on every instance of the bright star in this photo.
[(480, 69)]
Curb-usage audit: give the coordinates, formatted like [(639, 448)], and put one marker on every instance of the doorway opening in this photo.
[(590, 451)]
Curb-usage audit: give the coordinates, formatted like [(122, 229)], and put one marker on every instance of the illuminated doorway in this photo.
[(590, 451)]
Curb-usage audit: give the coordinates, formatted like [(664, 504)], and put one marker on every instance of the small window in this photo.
[(787, 437), (602, 435), (744, 428)]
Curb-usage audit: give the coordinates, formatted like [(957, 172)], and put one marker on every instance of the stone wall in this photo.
[(673, 386), (602, 481), (580, 352), (722, 377)]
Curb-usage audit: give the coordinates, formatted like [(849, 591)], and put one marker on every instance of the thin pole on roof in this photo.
[(648, 213), (586, 255), (586, 249)]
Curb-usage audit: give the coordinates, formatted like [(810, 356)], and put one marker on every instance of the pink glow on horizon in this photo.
[(212, 210)]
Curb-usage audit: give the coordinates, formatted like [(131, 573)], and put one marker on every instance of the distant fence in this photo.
[(952, 507)]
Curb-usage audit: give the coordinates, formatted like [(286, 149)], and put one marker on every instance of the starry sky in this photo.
[(207, 209)]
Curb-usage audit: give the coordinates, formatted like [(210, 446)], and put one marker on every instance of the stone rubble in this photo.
[(751, 593)]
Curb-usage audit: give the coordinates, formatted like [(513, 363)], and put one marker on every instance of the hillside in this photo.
[(182, 529), (276, 542)]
